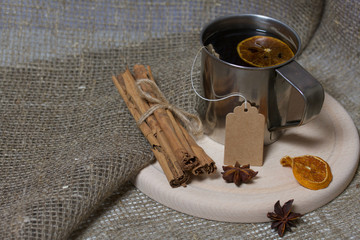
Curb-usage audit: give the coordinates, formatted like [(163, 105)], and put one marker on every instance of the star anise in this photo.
[(283, 218), (238, 174)]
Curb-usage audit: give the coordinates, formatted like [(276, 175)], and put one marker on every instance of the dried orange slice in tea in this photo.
[(264, 51), (310, 171)]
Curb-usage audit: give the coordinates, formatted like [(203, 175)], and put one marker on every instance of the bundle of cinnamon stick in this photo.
[(175, 149)]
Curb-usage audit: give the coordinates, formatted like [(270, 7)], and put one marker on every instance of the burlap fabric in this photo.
[(69, 146)]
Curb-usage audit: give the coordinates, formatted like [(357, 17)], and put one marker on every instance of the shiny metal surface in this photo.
[(270, 89)]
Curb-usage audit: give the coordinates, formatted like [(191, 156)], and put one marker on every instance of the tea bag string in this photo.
[(191, 121), (207, 99)]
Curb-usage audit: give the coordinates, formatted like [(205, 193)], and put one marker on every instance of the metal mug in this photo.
[(274, 90)]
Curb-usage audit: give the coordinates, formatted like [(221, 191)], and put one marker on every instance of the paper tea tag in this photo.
[(244, 136)]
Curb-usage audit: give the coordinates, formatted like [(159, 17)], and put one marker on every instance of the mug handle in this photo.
[(309, 88)]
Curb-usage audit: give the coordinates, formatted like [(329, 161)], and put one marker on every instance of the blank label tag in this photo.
[(244, 136)]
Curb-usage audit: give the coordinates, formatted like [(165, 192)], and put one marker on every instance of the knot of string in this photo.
[(191, 121)]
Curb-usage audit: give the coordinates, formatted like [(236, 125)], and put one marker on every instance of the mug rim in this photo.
[(222, 18)]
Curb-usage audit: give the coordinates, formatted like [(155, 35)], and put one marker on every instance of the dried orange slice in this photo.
[(310, 171), (264, 51)]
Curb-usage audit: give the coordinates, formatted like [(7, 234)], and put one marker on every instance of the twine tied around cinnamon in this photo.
[(191, 121)]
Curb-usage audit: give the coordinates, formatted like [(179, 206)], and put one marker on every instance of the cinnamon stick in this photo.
[(175, 149), (185, 157), (175, 123), (180, 133), (206, 164), (173, 171)]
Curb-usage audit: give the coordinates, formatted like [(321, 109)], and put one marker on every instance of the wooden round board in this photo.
[(331, 136)]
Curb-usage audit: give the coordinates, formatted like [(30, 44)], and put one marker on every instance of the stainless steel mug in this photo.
[(274, 90)]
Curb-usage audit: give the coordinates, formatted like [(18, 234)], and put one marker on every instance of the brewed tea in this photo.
[(225, 44)]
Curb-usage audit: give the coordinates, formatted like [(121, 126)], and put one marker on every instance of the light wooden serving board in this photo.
[(331, 136)]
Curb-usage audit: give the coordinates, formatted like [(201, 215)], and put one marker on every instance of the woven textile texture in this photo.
[(68, 145)]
